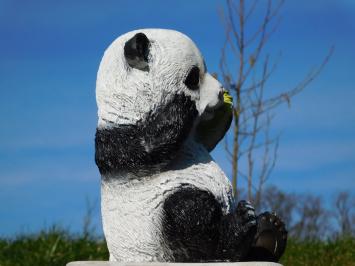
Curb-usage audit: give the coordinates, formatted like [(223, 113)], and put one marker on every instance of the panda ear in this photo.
[(136, 51)]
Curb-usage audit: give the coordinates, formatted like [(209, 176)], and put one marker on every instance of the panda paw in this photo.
[(245, 230), (270, 239), (246, 214)]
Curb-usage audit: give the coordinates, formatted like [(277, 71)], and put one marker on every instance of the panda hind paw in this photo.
[(271, 237)]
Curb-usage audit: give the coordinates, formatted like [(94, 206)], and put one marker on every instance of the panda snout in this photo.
[(214, 104), (217, 99), (211, 96)]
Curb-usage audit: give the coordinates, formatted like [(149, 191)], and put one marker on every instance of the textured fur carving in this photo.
[(163, 198), (196, 229), (148, 145)]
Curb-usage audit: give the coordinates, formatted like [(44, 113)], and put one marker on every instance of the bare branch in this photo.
[(251, 10), (247, 83), (231, 22), (286, 96), (226, 147)]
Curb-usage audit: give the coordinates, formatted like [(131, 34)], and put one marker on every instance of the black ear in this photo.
[(136, 51)]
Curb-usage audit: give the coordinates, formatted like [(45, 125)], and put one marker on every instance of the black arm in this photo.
[(196, 230)]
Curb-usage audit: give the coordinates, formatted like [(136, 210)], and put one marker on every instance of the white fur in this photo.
[(131, 207)]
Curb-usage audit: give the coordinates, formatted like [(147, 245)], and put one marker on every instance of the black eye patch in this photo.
[(193, 78)]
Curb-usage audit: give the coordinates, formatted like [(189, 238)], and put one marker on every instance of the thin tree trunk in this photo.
[(236, 112)]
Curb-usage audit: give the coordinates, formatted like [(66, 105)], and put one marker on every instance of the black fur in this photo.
[(237, 232), (149, 144), (136, 51), (196, 230), (193, 78), (191, 225), (270, 239)]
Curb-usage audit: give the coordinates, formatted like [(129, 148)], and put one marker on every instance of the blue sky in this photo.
[(49, 55)]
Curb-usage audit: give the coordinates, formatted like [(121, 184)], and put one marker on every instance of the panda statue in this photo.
[(163, 198)]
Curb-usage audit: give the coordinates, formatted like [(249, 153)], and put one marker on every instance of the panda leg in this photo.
[(195, 230)]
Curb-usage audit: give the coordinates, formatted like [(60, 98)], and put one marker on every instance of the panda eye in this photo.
[(193, 78)]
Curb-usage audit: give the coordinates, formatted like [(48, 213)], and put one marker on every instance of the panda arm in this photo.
[(195, 229), (210, 132)]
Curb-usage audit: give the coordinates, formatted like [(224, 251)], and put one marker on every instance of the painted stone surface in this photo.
[(102, 263), (163, 198)]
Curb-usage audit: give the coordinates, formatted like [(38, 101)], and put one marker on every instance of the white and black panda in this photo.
[(163, 196)]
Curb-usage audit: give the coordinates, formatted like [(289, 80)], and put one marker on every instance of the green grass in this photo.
[(51, 247), (340, 252), (58, 247)]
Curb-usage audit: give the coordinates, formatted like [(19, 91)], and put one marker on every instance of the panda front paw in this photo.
[(246, 214), (237, 233), (270, 239)]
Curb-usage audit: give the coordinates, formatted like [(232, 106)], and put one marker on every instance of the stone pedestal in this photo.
[(106, 263)]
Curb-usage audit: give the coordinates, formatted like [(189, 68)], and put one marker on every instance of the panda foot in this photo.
[(270, 239)]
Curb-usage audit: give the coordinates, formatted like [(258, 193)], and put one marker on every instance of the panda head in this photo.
[(153, 70), (141, 70)]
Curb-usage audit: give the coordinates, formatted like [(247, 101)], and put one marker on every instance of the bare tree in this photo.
[(282, 203), (246, 68), (306, 216), (344, 212), (312, 222)]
